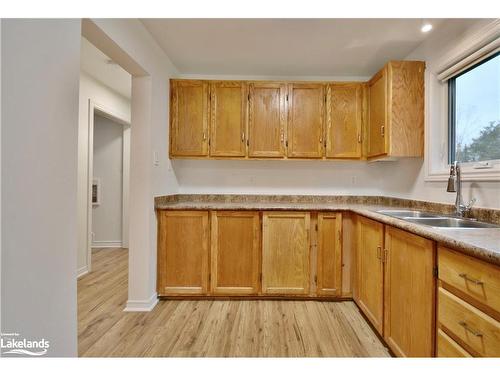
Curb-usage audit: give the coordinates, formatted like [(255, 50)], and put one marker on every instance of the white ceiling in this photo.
[(97, 64), (286, 47)]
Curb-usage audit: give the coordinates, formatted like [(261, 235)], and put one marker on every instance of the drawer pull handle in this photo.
[(473, 331), (467, 278)]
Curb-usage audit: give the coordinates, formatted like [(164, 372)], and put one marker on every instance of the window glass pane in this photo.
[(477, 116)]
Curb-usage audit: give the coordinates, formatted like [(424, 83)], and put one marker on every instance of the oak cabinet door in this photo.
[(370, 270), (377, 119), (189, 118), (285, 253), (228, 107), (329, 266), (306, 116), (266, 120), (344, 116), (409, 294), (182, 252), (406, 111), (235, 252)]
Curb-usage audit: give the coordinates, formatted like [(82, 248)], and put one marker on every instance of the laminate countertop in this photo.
[(482, 243)]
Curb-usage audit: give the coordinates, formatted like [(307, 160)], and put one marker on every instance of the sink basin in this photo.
[(407, 213), (435, 220), (450, 222)]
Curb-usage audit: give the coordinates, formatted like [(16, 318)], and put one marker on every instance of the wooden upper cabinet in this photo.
[(266, 120), (396, 110), (409, 294), (329, 257), (306, 118), (235, 253), (344, 120), (228, 110), (188, 118), (285, 253), (183, 238), (381, 118), (377, 119), (370, 271)]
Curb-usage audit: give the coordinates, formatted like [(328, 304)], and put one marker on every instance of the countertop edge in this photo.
[(478, 252)]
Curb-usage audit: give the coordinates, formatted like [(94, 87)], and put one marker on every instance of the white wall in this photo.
[(108, 168), (0, 179), (129, 43), (40, 73), (95, 91), (404, 178), (433, 51), (281, 177)]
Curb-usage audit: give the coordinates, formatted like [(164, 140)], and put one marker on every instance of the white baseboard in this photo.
[(100, 244), (141, 305), (82, 271)]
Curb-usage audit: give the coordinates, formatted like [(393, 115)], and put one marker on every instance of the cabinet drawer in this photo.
[(478, 280), (477, 331), (447, 347)]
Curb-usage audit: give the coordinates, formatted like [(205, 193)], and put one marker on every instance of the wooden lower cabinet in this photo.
[(476, 331), (396, 286), (409, 293), (235, 252), (182, 252), (471, 279), (468, 303), (446, 347), (370, 271), (329, 256), (285, 253), (280, 253)]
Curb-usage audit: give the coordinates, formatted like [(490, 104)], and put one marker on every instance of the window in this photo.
[(474, 112)]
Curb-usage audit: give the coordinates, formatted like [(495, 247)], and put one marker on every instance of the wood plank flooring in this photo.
[(212, 328)]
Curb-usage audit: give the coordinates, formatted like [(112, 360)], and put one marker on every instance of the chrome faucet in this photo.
[(455, 185)]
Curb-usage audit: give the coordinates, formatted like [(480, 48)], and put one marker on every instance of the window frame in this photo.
[(460, 52), (452, 116)]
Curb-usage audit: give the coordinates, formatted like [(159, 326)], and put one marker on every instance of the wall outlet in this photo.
[(156, 158)]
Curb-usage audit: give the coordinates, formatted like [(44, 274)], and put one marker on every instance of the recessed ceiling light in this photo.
[(426, 27)]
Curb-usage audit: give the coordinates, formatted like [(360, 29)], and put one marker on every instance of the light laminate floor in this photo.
[(212, 328)]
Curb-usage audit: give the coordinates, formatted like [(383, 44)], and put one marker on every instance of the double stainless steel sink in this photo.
[(435, 220)]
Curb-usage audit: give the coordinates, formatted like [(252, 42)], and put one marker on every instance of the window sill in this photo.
[(468, 174)]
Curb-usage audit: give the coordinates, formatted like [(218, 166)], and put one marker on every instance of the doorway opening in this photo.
[(104, 150), (109, 181)]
